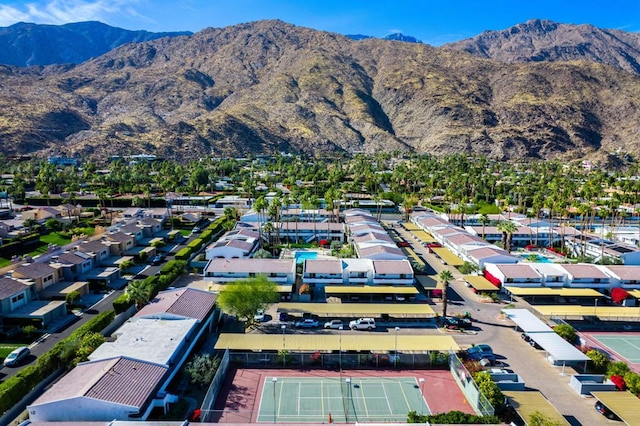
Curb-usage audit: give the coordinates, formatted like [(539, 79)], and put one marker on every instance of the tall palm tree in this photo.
[(446, 277), (484, 219), (507, 228)]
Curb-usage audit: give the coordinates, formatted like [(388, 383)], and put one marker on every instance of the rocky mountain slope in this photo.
[(541, 40), (268, 86), (25, 44)]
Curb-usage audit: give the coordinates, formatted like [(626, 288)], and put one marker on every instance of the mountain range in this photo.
[(269, 86)]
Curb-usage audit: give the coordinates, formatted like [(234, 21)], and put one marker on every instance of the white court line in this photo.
[(386, 398)]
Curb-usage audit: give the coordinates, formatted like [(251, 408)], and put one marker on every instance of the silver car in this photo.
[(16, 356)]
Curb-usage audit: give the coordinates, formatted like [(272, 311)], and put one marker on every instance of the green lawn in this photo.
[(55, 238), (7, 348)]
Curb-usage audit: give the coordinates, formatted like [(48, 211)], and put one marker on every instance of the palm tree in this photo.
[(484, 219), (139, 292), (507, 228), (445, 276)]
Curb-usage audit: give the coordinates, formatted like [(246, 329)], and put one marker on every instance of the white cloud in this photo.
[(65, 11)]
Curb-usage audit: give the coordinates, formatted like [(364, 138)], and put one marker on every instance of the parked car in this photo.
[(17, 356), (157, 259), (363, 324), (456, 323), (604, 410), (307, 323), (196, 229), (335, 324), (530, 340), (259, 316), (480, 352), (283, 316)]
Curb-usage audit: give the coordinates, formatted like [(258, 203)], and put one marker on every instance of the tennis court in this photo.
[(627, 347), (340, 399)]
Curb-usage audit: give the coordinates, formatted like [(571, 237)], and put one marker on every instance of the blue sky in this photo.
[(434, 22)]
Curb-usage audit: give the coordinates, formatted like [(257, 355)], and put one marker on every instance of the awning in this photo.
[(217, 288), (375, 310), (526, 321), (412, 255), (558, 348), (528, 402), (624, 404), (423, 236), (546, 291), (430, 282), (411, 226), (582, 311), (634, 293), (345, 341), (446, 255), (369, 289), (480, 283)]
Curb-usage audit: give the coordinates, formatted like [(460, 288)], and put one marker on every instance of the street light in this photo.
[(274, 380), (284, 358), (395, 359), (340, 353), (421, 381)]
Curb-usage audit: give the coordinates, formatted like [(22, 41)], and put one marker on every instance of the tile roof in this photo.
[(518, 271), (184, 302), (370, 251), (252, 265), (372, 237), (92, 247), (71, 258), (392, 267), (327, 266), (9, 287), (582, 270), (627, 273), (119, 237), (118, 380), (35, 270)]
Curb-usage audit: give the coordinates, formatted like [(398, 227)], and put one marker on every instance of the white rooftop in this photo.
[(151, 340)]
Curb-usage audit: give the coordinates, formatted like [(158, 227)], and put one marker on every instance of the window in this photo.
[(17, 298)]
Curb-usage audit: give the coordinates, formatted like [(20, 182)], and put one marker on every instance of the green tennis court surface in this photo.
[(346, 399), (625, 346)]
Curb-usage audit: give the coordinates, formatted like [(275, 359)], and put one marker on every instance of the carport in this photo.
[(480, 284), (387, 290), (534, 292), (579, 312), (623, 404), (350, 310), (335, 342), (528, 402), (448, 256), (556, 347)]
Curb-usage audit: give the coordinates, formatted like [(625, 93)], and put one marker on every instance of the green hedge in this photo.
[(184, 254), (122, 303), (195, 244), (15, 388)]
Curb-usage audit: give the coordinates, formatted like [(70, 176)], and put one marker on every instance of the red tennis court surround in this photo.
[(239, 398)]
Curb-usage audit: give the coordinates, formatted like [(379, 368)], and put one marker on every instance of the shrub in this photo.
[(632, 380), (599, 361), (619, 294), (122, 303), (617, 368), (196, 244), (619, 382), (451, 418), (565, 331), (184, 253)]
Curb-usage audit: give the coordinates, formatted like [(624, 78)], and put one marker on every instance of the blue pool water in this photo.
[(301, 256), (538, 258)]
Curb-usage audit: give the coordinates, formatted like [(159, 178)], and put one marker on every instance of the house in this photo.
[(41, 214), (104, 390), (73, 265), (392, 273), (627, 277), (322, 272), (584, 275), (99, 251), (380, 252), (488, 254), (515, 275), (119, 243), (281, 271), (229, 249), (150, 226), (132, 229), (40, 274), (132, 212), (311, 231), (180, 304), (13, 294)]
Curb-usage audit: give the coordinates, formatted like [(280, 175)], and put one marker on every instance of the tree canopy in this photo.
[(244, 297)]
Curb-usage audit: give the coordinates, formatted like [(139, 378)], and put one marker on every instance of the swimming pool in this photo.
[(301, 256), (535, 258)]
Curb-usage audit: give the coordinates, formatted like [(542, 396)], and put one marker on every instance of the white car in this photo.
[(259, 316), (363, 324), (335, 324), (16, 356)]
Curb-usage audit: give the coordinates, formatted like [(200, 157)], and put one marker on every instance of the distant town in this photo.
[(286, 289)]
